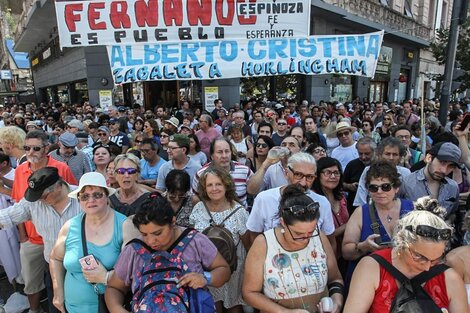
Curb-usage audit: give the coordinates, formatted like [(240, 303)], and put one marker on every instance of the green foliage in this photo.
[(439, 50)]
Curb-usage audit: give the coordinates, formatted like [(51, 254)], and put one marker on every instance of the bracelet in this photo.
[(335, 287), (356, 248), (208, 277), (106, 278)]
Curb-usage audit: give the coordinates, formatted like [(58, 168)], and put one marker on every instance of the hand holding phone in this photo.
[(385, 244), (88, 262)]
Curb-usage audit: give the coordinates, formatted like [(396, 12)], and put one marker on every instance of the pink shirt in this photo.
[(205, 139)]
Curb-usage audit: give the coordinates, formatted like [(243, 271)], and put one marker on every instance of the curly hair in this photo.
[(155, 209), (427, 212), (224, 176), (383, 169)]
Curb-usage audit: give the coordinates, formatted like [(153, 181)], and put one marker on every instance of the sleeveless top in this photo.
[(387, 289), (294, 274), (366, 231), (241, 146)]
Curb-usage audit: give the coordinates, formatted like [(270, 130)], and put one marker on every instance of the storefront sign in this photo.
[(46, 53), (5, 74), (35, 61), (329, 54), (210, 94), (108, 22), (106, 98)]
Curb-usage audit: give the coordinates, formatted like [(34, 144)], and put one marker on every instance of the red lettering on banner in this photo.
[(219, 11), (94, 15), (119, 16), (199, 11), (173, 12), (70, 17), (146, 14), (246, 20)]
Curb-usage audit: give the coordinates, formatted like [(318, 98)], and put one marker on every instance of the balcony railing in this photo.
[(375, 12), (27, 4)]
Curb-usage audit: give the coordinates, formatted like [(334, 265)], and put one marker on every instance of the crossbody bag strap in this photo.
[(211, 221), (389, 268), (230, 215), (84, 246), (427, 275), (375, 226)]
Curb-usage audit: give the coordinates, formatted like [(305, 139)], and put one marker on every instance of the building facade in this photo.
[(405, 70)]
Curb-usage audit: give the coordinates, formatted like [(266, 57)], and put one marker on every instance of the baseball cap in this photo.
[(68, 139), (181, 140), (40, 181), (446, 151), (104, 128), (113, 120)]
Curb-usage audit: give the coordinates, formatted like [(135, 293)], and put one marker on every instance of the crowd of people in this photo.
[(264, 207)]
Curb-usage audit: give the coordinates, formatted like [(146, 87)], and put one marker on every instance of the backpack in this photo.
[(155, 285), (411, 296), (222, 238)]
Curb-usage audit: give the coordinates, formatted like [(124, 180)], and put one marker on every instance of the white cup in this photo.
[(327, 304)]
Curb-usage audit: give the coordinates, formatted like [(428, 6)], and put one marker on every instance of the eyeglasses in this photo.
[(387, 119), (319, 150), (375, 188), (309, 235), (123, 170), (85, 196), (174, 196), (418, 257), (343, 134), (164, 136), (261, 145), (329, 173), (102, 134), (430, 232), (172, 148), (35, 148), (404, 137), (299, 175)]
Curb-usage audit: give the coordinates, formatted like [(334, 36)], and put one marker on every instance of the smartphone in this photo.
[(385, 244), (465, 121), (88, 262)]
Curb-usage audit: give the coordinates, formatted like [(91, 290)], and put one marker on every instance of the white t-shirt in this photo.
[(274, 177), (345, 154), (264, 214)]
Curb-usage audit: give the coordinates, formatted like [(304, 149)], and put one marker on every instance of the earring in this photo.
[(283, 231)]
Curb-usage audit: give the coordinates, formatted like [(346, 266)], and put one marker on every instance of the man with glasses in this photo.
[(178, 150), (346, 151), (281, 132), (103, 139), (77, 160), (300, 170), (151, 162), (390, 149), (31, 251), (47, 205), (74, 126), (271, 174)]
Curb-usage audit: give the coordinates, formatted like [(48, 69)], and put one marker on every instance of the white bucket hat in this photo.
[(92, 179)]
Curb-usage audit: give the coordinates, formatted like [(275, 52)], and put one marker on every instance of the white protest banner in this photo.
[(109, 22), (326, 54)]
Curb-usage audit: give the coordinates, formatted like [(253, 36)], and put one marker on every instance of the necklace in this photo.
[(389, 218)]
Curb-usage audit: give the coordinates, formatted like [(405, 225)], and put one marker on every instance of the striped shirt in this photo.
[(47, 220), (240, 174)]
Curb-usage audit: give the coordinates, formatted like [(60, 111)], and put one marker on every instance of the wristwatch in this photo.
[(208, 277)]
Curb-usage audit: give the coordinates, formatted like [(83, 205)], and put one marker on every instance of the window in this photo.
[(408, 11)]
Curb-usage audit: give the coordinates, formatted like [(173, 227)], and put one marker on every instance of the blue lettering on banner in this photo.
[(341, 54)]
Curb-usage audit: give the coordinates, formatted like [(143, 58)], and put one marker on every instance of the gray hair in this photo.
[(367, 141), (301, 157), (427, 212), (208, 118), (128, 156)]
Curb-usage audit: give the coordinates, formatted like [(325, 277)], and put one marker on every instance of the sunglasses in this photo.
[(418, 257), (299, 175), (303, 209), (85, 196), (102, 134), (138, 141), (35, 148), (343, 134), (430, 232), (123, 170), (375, 188), (261, 145), (282, 124)]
